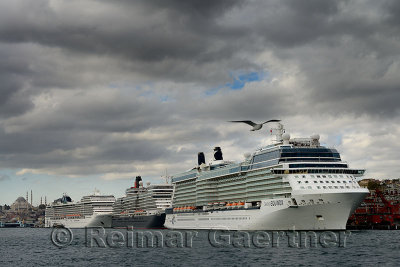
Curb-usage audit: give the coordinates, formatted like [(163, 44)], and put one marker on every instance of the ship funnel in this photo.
[(137, 181), (217, 153), (201, 158)]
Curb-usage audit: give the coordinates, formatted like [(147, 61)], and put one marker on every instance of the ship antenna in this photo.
[(166, 177), (278, 132)]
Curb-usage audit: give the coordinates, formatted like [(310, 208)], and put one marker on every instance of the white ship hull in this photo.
[(95, 220), (278, 214)]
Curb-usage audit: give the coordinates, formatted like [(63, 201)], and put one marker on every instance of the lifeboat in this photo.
[(234, 204), (241, 204)]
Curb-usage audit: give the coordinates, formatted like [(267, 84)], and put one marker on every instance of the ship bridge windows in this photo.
[(308, 165), (309, 159), (309, 152), (316, 170)]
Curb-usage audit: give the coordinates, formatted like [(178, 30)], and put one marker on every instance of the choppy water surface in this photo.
[(32, 247)]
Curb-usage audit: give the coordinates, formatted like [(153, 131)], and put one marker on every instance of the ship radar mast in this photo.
[(166, 177), (278, 132)]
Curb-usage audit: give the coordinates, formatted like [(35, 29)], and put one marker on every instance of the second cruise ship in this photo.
[(142, 207)]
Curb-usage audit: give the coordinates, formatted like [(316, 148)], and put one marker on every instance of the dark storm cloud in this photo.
[(88, 85), (147, 31), (13, 99)]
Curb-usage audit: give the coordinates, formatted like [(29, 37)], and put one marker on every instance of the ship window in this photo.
[(318, 187), (315, 182), (318, 176), (321, 182), (348, 187), (302, 187), (323, 176), (338, 182), (341, 176), (336, 187), (342, 187), (324, 187), (344, 182), (304, 176), (299, 182), (329, 176), (330, 187), (296, 176), (306, 182), (309, 187), (335, 175), (327, 182), (312, 176), (333, 182)]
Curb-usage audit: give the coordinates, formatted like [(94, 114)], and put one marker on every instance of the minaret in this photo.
[(27, 199), (41, 203), (31, 199), (45, 200)]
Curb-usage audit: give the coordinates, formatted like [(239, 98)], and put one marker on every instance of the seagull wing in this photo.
[(271, 121), (247, 122)]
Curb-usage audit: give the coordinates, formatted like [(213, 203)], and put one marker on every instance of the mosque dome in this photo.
[(20, 204)]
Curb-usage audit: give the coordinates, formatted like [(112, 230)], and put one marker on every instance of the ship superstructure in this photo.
[(142, 207), (291, 184), (92, 211)]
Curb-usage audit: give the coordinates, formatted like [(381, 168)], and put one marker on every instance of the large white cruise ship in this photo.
[(92, 211), (294, 184)]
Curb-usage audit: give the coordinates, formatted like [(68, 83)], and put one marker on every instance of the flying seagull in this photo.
[(256, 126)]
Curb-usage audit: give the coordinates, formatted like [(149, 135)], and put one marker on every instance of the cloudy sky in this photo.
[(95, 92)]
